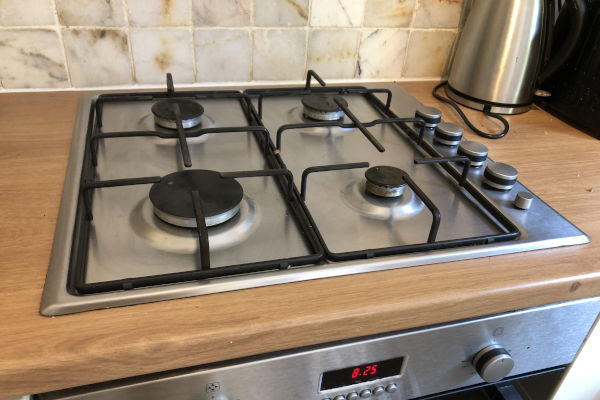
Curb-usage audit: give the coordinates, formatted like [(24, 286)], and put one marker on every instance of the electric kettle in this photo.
[(499, 56)]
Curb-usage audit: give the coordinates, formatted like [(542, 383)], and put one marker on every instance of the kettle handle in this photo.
[(577, 17)]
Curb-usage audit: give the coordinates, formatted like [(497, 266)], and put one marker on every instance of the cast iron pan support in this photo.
[(320, 168), (438, 160)]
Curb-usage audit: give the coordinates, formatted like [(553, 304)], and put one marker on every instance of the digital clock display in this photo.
[(361, 373)]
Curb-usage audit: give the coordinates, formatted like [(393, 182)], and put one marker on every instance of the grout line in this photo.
[(307, 36), (193, 39), (165, 27), (251, 33), (126, 11), (59, 31)]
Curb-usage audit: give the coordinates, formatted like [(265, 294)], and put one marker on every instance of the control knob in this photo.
[(493, 363), (431, 115)]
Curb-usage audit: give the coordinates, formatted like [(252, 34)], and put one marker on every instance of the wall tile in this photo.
[(337, 12), (427, 53), (26, 12), (382, 53), (389, 13), (156, 52), (98, 57), (222, 55), (31, 59), (438, 13), (333, 52), (90, 13), (281, 12), (222, 12), (279, 54), (159, 12)]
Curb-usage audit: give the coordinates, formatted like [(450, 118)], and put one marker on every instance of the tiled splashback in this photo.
[(94, 43)]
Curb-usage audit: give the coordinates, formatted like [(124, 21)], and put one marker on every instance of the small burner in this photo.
[(385, 181), (191, 113), (322, 106), (172, 197)]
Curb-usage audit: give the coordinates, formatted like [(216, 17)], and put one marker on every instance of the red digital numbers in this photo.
[(366, 371)]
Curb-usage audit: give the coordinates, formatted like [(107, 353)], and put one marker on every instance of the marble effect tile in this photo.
[(26, 12), (159, 12), (389, 13), (156, 52), (31, 59), (222, 55), (222, 12), (333, 53), (337, 12), (91, 13), (381, 53), (281, 12), (98, 57), (438, 14), (427, 53), (279, 54)]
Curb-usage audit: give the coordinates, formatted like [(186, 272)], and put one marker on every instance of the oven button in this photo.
[(365, 394), (493, 363), (378, 390), (340, 397), (391, 388), (352, 396)]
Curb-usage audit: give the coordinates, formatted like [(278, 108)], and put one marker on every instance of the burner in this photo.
[(172, 198), (385, 181), (191, 113), (322, 107)]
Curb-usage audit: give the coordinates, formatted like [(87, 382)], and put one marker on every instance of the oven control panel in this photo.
[(401, 365)]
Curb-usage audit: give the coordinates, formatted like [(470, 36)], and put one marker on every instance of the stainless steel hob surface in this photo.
[(127, 239)]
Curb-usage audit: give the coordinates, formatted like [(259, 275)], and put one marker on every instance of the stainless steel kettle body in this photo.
[(498, 54)]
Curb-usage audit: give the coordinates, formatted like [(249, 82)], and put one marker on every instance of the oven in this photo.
[(515, 355)]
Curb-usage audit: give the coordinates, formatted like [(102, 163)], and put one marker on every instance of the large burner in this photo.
[(164, 115), (385, 181), (172, 198), (323, 107)]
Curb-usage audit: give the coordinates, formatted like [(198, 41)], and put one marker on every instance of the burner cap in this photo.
[(172, 197), (322, 106), (191, 113), (385, 181)]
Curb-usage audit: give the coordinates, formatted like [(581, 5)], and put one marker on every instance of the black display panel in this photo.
[(361, 373)]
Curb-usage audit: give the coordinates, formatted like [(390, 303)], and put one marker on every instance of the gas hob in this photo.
[(174, 194)]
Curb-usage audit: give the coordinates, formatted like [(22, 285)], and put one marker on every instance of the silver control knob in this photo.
[(391, 388), (352, 396), (493, 363), (500, 176), (431, 115), (340, 397), (365, 394), (378, 390), (523, 200), (448, 134), (476, 152)]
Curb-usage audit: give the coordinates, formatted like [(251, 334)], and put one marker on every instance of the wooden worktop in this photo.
[(557, 162)]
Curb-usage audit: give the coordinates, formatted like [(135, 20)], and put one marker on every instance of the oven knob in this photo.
[(500, 176), (448, 134), (352, 396), (431, 115), (493, 363)]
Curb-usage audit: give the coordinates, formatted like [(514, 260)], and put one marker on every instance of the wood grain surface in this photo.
[(39, 353)]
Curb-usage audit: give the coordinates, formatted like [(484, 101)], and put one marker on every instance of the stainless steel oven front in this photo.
[(431, 362)]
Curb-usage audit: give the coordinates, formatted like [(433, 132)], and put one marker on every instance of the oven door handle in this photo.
[(503, 391)]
